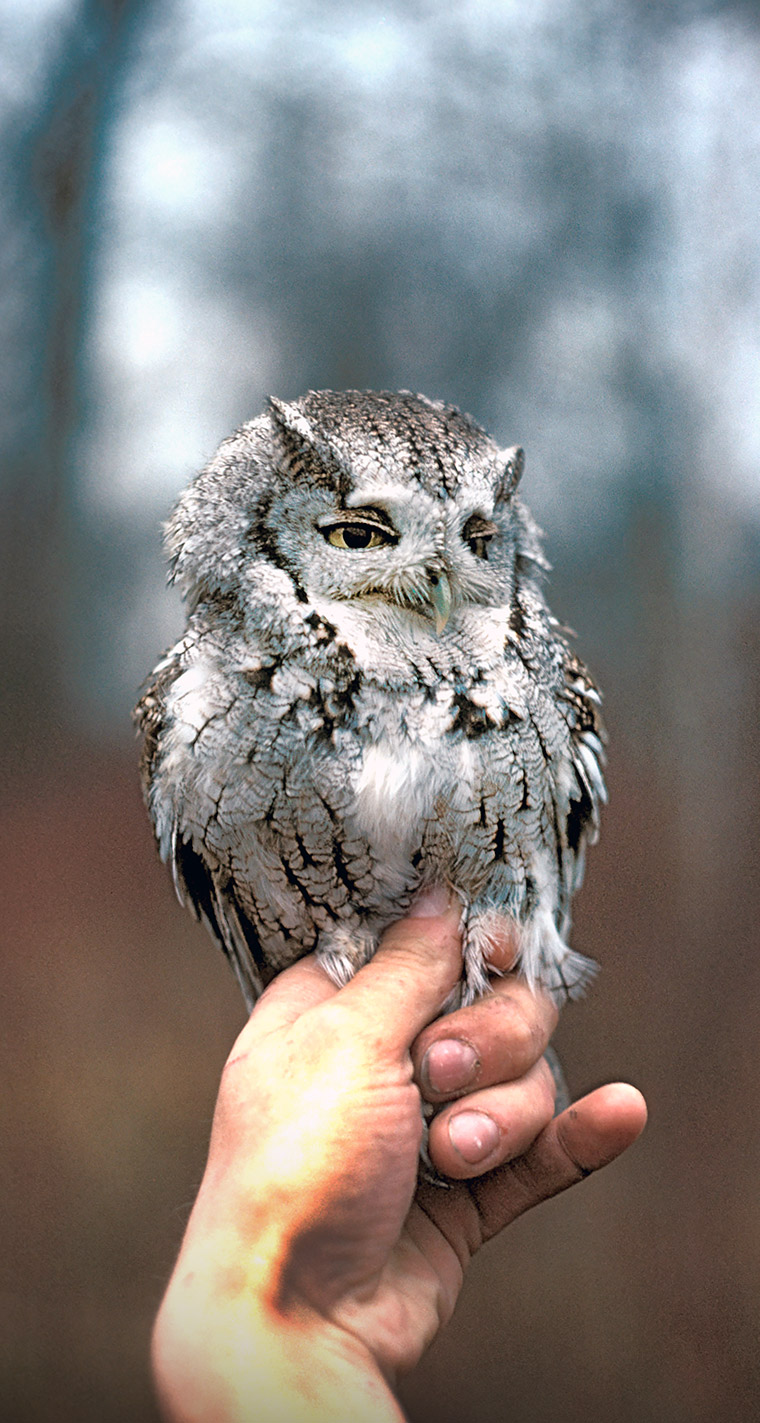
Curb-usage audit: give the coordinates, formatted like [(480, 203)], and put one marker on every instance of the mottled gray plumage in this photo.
[(371, 695)]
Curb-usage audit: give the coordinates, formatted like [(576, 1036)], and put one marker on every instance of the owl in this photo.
[(371, 696)]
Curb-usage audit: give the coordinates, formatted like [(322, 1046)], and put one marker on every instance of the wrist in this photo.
[(224, 1350)]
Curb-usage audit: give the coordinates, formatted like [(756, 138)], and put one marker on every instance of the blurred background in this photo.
[(546, 213)]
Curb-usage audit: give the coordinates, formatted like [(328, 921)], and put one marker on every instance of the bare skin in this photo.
[(315, 1266)]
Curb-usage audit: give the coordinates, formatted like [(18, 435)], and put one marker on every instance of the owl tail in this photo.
[(547, 961)]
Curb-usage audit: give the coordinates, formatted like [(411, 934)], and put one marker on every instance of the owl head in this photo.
[(371, 497)]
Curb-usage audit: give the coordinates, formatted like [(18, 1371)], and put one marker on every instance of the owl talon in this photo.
[(426, 1170)]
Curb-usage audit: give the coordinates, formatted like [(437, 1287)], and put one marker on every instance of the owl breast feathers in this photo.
[(371, 696)]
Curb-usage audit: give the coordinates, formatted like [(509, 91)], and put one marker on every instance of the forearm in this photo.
[(223, 1354)]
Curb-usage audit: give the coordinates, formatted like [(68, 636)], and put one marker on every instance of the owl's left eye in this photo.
[(478, 533), (356, 535)]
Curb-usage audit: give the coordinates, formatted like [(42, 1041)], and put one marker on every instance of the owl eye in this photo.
[(478, 533), (356, 536)]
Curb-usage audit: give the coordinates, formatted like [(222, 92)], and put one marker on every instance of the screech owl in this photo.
[(371, 695)]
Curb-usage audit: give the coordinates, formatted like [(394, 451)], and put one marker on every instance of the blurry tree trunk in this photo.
[(59, 165)]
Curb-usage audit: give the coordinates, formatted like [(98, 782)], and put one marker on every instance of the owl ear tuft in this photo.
[(514, 464), (298, 448), (293, 435)]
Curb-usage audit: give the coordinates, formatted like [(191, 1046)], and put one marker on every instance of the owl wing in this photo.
[(212, 899), (582, 705), (202, 888)]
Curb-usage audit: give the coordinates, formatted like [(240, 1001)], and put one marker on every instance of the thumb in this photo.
[(419, 961), (290, 994)]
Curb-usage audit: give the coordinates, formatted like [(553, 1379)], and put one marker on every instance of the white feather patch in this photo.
[(395, 790), (191, 702)]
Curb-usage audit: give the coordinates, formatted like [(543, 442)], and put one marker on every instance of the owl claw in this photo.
[(426, 1170)]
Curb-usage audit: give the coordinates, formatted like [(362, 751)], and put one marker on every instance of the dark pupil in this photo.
[(354, 536)]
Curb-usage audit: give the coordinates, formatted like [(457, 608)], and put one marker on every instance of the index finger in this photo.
[(586, 1136)]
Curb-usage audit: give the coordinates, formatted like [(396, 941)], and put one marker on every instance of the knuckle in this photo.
[(547, 1085), (524, 1034)]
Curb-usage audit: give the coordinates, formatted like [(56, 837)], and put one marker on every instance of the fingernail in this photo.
[(473, 1135), (430, 903), (448, 1065)]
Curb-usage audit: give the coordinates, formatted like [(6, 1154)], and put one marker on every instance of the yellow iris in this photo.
[(355, 536)]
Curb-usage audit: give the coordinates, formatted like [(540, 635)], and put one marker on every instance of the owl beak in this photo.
[(440, 597)]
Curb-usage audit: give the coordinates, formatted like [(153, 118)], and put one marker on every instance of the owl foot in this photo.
[(481, 931), (342, 952), (426, 1170), (541, 955)]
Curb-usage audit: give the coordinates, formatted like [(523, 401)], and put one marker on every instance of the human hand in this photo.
[(315, 1264)]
